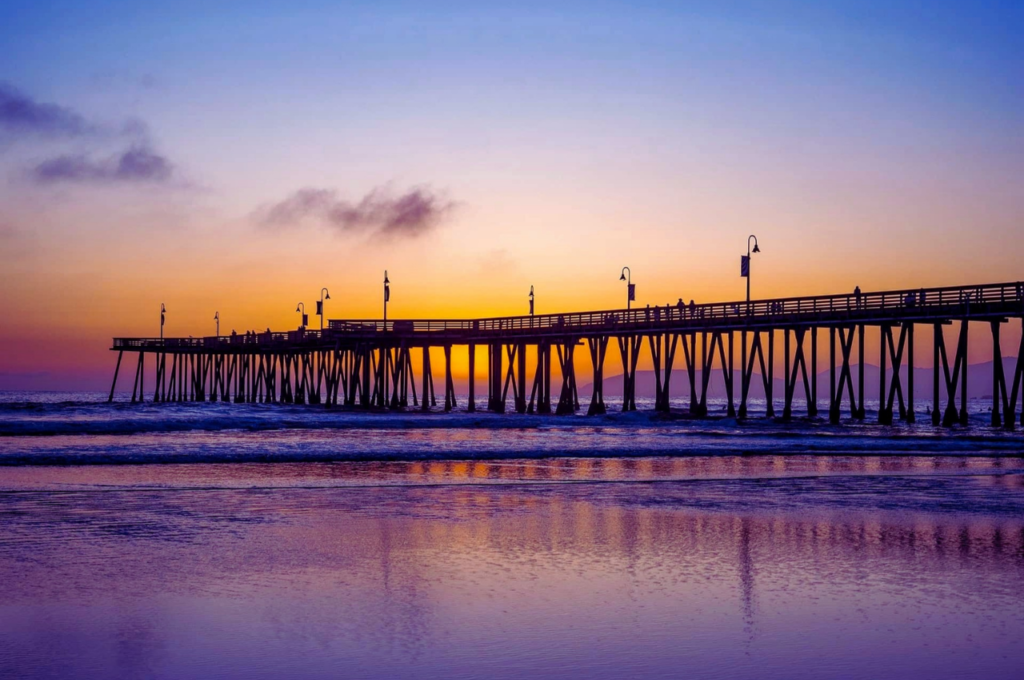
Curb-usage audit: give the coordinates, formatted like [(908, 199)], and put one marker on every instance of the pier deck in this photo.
[(369, 363)]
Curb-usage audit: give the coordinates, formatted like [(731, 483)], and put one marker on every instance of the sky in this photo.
[(237, 157)]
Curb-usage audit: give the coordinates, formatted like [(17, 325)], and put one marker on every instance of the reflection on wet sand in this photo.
[(403, 473), (377, 580)]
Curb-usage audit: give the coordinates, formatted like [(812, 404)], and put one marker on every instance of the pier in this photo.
[(379, 364)]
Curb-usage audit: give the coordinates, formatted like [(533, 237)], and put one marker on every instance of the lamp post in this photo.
[(320, 306), (301, 307), (745, 272), (531, 300), (216, 317), (745, 265), (163, 311), (627, 276), (387, 296)]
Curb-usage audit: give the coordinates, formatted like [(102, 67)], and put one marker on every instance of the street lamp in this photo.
[(320, 307), (745, 265), (305, 319), (163, 311), (216, 317), (627, 276), (387, 296), (531, 300), (745, 273)]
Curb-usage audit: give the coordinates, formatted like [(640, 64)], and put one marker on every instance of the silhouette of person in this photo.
[(682, 308), (657, 314), (693, 309), (856, 295)]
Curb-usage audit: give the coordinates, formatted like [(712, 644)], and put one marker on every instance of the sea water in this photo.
[(263, 541)]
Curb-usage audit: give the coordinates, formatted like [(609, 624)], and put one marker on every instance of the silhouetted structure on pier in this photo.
[(370, 363)]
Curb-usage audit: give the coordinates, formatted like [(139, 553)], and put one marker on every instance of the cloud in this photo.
[(21, 114), (137, 164), (379, 213), (27, 118)]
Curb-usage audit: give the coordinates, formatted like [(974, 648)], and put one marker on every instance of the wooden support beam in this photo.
[(769, 383), (955, 381), (510, 376), (471, 405), (910, 372), (449, 385), (426, 377), (629, 350), (798, 373), (497, 400), (893, 390), (846, 339), (138, 373), (998, 379), (690, 356), (860, 370), (756, 354), (521, 378), (117, 369), (654, 341), (707, 369), (540, 401), (1010, 393), (598, 348), (566, 400), (812, 406)]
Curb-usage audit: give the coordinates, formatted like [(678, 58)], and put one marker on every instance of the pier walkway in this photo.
[(369, 363)]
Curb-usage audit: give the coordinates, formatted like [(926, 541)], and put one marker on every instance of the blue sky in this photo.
[(866, 143)]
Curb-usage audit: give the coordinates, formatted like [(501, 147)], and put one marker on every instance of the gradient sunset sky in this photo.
[(236, 157)]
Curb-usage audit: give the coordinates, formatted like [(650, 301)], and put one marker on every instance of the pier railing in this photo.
[(920, 302), (866, 307)]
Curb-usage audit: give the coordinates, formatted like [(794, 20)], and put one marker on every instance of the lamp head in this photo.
[(297, 309), (328, 297), (622, 276), (386, 282), (756, 249)]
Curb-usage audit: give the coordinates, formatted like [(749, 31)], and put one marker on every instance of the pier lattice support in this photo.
[(796, 370), (598, 349), (955, 381), (1002, 394), (568, 399), (629, 349)]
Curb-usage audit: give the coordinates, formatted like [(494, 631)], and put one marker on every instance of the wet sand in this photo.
[(724, 566)]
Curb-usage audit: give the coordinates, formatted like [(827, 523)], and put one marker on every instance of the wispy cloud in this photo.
[(137, 164), (379, 213), (29, 119), (21, 114)]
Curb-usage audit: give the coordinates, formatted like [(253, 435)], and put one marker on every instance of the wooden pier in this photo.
[(374, 363)]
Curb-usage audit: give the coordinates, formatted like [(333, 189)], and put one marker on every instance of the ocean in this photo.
[(269, 541)]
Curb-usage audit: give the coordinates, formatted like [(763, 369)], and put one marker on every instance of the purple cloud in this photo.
[(23, 115), (380, 212), (137, 164)]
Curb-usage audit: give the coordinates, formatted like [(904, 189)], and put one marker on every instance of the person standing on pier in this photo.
[(856, 295)]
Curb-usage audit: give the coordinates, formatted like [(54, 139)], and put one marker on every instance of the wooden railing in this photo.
[(909, 304)]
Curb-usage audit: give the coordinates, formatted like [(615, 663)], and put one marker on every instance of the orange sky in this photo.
[(474, 153)]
